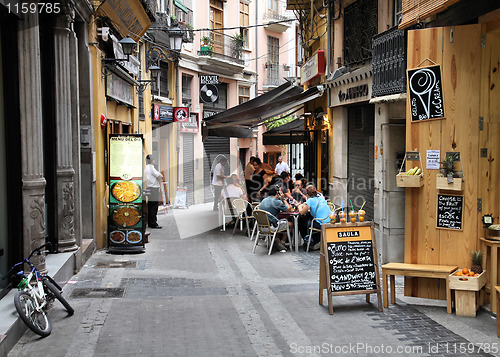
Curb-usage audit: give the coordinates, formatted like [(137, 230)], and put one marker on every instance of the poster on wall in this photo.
[(125, 217), (190, 126), (426, 93)]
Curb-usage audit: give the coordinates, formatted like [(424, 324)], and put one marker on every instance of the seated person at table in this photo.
[(298, 192), (318, 208), (282, 180), (232, 191), (274, 204)]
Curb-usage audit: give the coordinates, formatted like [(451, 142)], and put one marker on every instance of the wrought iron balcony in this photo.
[(389, 63), (217, 44)]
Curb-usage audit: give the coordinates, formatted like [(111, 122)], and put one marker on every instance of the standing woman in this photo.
[(317, 206)]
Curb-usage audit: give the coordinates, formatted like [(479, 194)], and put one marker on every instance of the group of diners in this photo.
[(275, 192)]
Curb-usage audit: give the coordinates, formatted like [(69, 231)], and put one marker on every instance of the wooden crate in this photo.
[(404, 180), (456, 185), (472, 283), (467, 298)]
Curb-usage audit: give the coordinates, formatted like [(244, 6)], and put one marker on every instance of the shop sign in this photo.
[(190, 126), (129, 17), (426, 93), (209, 90), (162, 113), (314, 67), (119, 89), (359, 91), (125, 224), (181, 114), (209, 113)]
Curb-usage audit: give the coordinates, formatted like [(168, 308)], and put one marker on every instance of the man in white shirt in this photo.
[(218, 180), (152, 180), (281, 166), (232, 191)]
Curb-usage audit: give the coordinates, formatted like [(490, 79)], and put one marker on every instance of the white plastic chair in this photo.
[(241, 207), (265, 228), (227, 210)]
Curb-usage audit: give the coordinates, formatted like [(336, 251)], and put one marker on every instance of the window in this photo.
[(244, 21), (164, 92), (398, 11), (273, 59), (273, 5), (243, 94), (186, 90)]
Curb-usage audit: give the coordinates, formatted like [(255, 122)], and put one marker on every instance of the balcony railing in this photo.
[(274, 15), (216, 44), (389, 63)]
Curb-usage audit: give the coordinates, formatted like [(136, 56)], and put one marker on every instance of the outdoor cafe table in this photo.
[(295, 215)]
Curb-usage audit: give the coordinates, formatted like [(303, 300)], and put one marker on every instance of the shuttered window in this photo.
[(416, 10)]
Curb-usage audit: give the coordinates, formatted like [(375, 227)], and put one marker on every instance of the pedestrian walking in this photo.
[(153, 178), (281, 166), (218, 181)]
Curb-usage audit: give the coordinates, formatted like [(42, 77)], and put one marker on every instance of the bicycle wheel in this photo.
[(57, 294), (37, 321)]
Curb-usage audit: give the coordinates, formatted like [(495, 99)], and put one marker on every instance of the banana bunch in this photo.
[(414, 171)]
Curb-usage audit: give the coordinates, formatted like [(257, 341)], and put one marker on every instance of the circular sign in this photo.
[(209, 93)]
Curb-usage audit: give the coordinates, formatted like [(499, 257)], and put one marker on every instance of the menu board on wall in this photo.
[(349, 265), (125, 218), (449, 211), (426, 93)]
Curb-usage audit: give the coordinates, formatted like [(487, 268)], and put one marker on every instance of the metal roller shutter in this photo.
[(188, 166), (360, 170), (213, 147)]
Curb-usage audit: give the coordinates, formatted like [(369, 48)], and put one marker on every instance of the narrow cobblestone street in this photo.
[(207, 295)]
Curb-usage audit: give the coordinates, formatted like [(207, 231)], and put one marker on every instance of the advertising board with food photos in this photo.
[(125, 218)]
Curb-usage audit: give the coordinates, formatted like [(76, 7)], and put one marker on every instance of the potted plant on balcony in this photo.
[(173, 20), (237, 43), (206, 46), (449, 178), (188, 34)]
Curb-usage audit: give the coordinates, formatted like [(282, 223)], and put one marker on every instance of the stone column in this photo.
[(65, 172), (30, 99)]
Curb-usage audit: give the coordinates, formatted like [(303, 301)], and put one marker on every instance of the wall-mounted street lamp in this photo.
[(175, 34), (128, 47), (143, 83)]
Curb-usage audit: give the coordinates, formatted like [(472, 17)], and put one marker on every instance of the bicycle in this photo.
[(35, 294)]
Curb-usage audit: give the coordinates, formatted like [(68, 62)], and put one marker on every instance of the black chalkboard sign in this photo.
[(351, 265), (426, 93), (449, 211), (349, 261)]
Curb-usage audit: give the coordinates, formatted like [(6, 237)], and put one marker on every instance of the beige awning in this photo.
[(415, 11)]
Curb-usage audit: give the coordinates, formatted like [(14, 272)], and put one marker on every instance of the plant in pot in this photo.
[(237, 43), (448, 166), (206, 46)]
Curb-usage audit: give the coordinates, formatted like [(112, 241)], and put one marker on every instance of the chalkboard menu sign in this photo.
[(350, 263), (449, 211), (426, 93)]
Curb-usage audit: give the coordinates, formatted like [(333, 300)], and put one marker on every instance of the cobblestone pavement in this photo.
[(207, 295)]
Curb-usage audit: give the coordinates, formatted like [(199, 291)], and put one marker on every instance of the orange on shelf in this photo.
[(465, 271)]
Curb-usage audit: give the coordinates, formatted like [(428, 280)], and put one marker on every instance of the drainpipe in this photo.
[(178, 103)]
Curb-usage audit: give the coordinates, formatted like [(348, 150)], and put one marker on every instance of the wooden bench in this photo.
[(415, 270)]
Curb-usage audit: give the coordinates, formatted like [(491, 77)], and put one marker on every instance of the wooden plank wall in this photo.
[(489, 137), (460, 59)]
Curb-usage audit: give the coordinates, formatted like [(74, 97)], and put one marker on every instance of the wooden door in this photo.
[(458, 51), (216, 24)]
